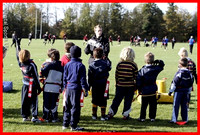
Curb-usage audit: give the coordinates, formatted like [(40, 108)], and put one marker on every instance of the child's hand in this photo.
[(170, 93)]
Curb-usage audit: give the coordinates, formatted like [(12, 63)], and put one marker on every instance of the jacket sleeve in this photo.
[(35, 77), (83, 81), (65, 77), (139, 80), (90, 77)]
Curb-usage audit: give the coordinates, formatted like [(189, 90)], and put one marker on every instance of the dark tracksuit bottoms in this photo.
[(125, 93), (49, 102), (151, 100), (180, 98), (72, 108), (28, 103)]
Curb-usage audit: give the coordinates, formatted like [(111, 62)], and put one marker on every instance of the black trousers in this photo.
[(28, 103), (72, 108), (49, 105), (125, 93), (152, 102), (191, 48)]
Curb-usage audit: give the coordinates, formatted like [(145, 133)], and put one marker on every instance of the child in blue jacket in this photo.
[(146, 84), (181, 86), (74, 81)]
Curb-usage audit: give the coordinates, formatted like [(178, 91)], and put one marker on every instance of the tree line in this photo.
[(146, 20)]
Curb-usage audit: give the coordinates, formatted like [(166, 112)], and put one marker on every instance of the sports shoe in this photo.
[(103, 118), (64, 127), (77, 129), (109, 116), (172, 122), (94, 117), (152, 120), (127, 117), (26, 119), (141, 120), (56, 120), (35, 120)]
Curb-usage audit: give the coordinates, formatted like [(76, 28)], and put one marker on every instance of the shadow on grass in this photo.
[(13, 117), (132, 125), (12, 91)]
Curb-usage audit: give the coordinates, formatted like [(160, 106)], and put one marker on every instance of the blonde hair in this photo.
[(183, 53), (24, 55), (97, 26), (149, 58), (127, 54)]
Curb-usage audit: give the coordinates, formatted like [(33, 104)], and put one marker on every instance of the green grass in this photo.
[(12, 121)]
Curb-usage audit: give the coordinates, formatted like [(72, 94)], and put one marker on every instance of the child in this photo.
[(53, 73), (53, 38), (183, 53), (45, 36), (31, 86), (125, 76), (85, 39), (181, 85), (97, 79), (74, 82), (30, 38), (146, 84), (64, 60), (118, 39)]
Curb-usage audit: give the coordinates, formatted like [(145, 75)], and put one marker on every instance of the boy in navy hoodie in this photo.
[(146, 84), (181, 86), (74, 81)]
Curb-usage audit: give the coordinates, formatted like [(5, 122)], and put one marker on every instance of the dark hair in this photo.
[(55, 55), (67, 46), (183, 62), (49, 52), (98, 53)]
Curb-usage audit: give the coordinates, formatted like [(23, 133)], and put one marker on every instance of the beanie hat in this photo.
[(75, 51)]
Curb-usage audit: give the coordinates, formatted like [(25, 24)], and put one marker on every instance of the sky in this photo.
[(60, 7)]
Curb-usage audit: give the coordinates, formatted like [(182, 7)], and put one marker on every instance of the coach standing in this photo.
[(97, 41)]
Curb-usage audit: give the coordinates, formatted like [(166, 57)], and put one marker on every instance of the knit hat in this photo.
[(75, 51)]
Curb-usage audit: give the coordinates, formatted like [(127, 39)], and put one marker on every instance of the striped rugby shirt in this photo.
[(126, 74)]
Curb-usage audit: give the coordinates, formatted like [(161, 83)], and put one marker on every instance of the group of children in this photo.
[(48, 37), (68, 75)]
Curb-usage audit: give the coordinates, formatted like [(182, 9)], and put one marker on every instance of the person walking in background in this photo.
[(173, 42), (191, 43)]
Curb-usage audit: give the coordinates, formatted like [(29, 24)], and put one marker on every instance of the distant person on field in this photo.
[(14, 38), (85, 39), (173, 42), (45, 36), (191, 43), (53, 39), (110, 40), (30, 36), (146, 84), (118, 39), (65, 37), (125, 77), (181, 85), (98, 74)]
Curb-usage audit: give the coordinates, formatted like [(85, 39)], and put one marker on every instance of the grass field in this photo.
[(12, 121)]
